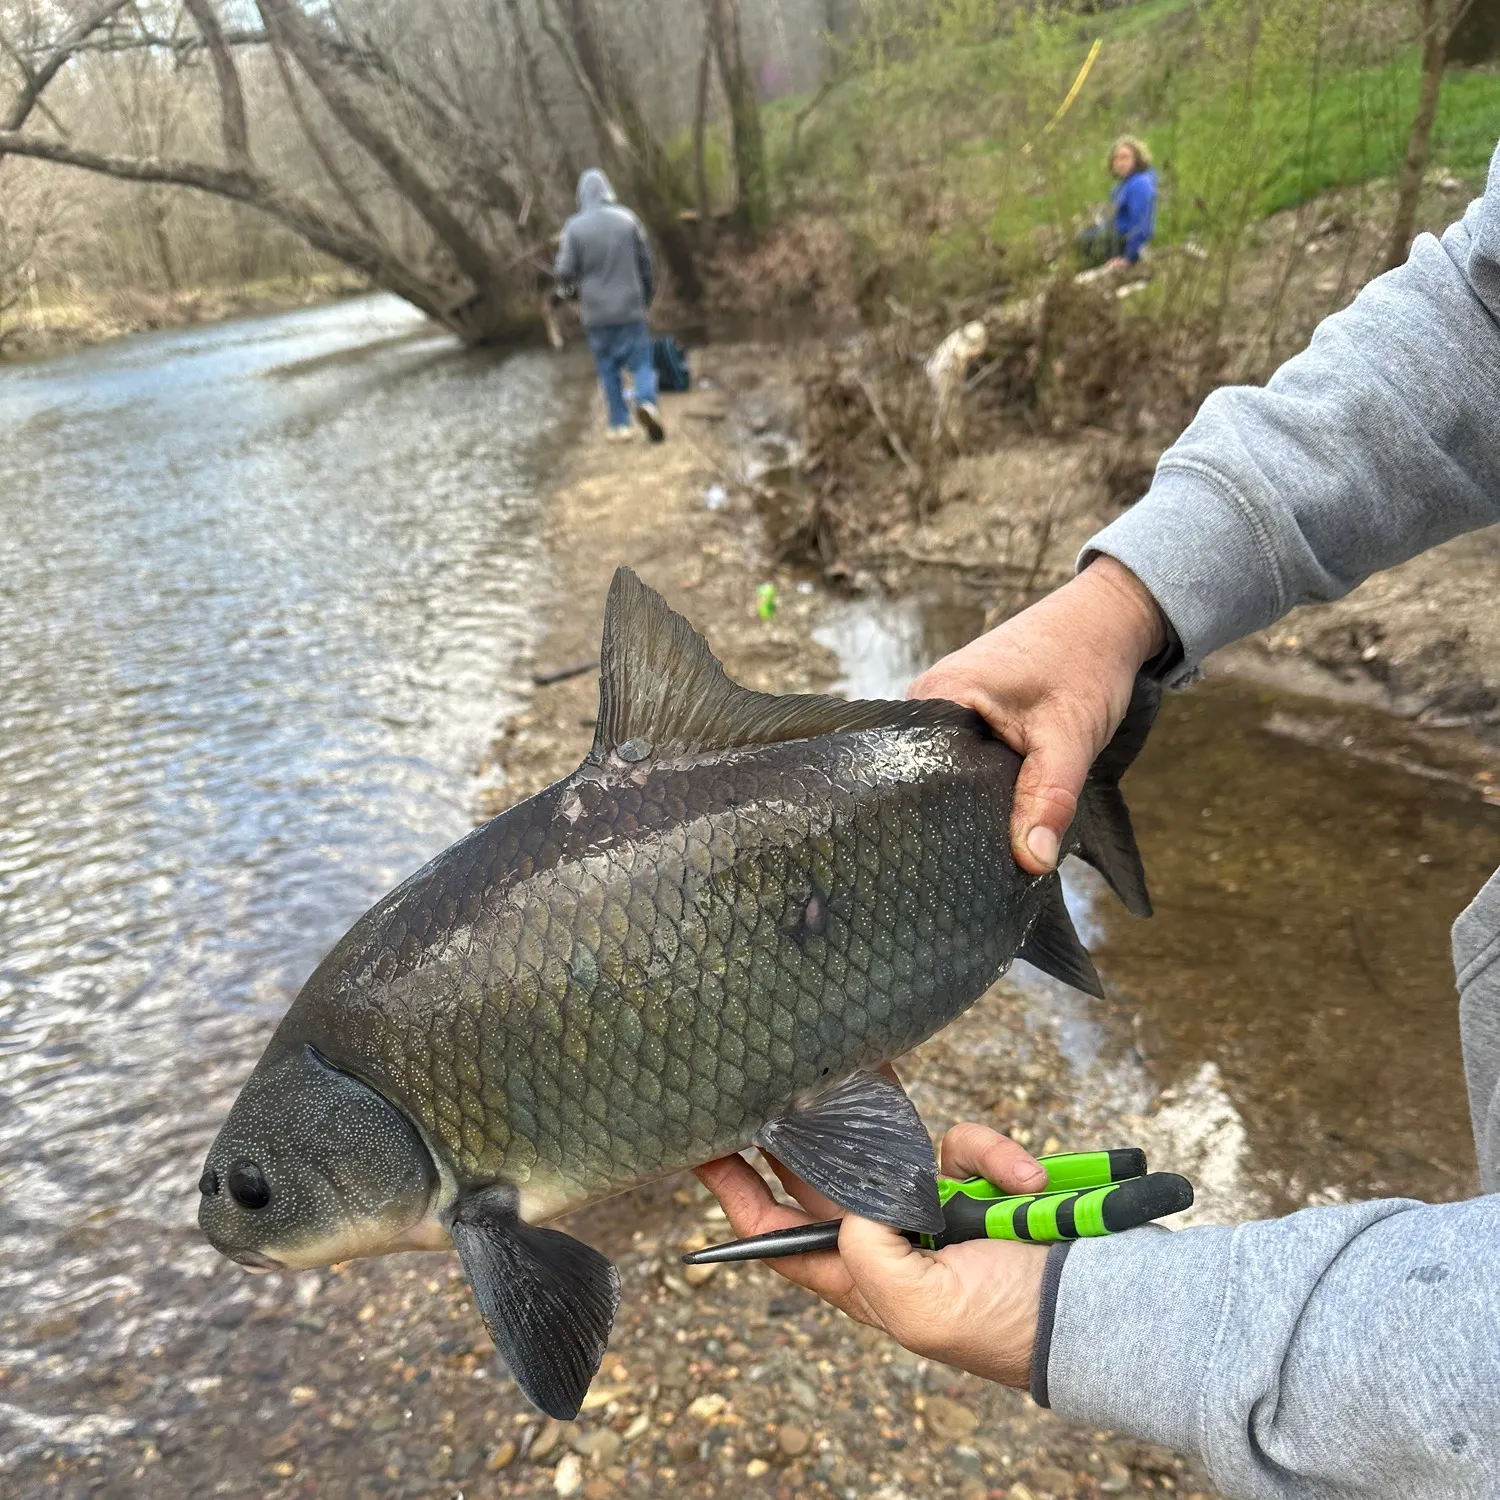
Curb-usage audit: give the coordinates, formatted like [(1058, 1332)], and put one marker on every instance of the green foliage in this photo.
[(718, 169), (945, 158)]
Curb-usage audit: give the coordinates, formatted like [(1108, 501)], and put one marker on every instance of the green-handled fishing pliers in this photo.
[(1088, 1193)]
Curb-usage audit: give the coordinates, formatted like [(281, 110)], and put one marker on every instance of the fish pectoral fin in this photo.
[(662, 692), (547, 1299), (863, 1144), (1054, 946)]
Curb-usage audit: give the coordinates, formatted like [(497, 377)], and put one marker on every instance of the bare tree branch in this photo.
[(19, 59), (320, 149), (227, 75), (292, 28), (38, 78)]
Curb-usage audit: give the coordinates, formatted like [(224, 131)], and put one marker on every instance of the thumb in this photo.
[(1047, 789), (896, 1281)]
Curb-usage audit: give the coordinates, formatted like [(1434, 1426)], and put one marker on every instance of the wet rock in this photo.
[(1053, 1482), (756, 1467), (1116, 1480), (802, 1393), (502, 1458), (600, 1445), (683, 1450), (598, 1489), (707, 1406), (949, 1421), (567, 1479), (545, 1441), (697, 1275), (792, 1440)]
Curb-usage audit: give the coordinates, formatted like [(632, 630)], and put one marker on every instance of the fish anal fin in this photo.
[(1103, 836), (1053, 945), (547, 1299), (662, 692), (863, 1144)]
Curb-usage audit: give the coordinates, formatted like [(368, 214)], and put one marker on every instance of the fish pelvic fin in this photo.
[(863, 1144), (1102, 825), (1053, 945), (547, 1299), (662, 692)]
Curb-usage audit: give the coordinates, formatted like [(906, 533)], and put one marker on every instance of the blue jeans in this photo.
[(623, 346)]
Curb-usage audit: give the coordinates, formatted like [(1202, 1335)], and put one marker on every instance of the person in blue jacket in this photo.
[(1119, 241)]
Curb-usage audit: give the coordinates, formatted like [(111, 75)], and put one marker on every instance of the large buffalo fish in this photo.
[(709, 935)]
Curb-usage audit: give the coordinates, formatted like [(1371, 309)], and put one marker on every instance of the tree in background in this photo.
[(753, 200), (1440, 19)]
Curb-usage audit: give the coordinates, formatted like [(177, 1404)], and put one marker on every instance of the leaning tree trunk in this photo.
[(475, 294), (1419, 141), (753, 205)]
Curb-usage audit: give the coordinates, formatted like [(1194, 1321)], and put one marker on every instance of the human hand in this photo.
[(973, 1305), (1054, 682)]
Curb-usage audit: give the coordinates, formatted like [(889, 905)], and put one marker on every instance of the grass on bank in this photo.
[(942, 163)]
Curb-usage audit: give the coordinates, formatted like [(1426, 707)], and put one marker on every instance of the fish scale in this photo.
[(710, 935)]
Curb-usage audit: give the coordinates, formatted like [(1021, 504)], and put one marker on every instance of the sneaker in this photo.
[(650, 418), (619, 435)]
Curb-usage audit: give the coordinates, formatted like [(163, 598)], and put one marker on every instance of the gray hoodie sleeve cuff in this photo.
[(1199, 549), (1046, 1312)]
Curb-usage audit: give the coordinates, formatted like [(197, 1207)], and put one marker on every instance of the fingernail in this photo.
[(1042, 843)]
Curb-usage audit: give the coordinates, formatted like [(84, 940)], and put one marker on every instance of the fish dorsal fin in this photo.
[(662, 692)]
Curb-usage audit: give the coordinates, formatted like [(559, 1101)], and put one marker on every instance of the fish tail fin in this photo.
[(1105, 837)]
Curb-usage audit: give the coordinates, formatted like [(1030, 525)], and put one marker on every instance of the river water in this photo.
[(264, 589)]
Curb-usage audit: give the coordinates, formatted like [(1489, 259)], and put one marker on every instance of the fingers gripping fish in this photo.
[(707, 937)]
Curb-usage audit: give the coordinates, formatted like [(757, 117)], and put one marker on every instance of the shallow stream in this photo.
[(264, 589)]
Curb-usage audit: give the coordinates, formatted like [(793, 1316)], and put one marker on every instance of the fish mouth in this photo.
[(254, 1262)]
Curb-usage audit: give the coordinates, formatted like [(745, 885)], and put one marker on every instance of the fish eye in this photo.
[(248, 1186), (208, 1183)]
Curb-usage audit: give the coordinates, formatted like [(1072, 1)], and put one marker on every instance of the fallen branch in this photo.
[(563, 674), (893, 440)]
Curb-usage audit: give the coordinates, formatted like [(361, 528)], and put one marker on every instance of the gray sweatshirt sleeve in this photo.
[(1352, 1351), (565, 271), (1377, 442), (1339, 1354)]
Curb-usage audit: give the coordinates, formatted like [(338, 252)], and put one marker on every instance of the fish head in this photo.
[(314, 1166)]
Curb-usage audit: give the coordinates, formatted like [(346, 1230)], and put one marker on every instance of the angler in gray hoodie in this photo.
[(605, 255), (1349, 1351)]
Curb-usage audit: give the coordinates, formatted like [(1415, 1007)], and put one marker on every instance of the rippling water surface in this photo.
[(264, 588)]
